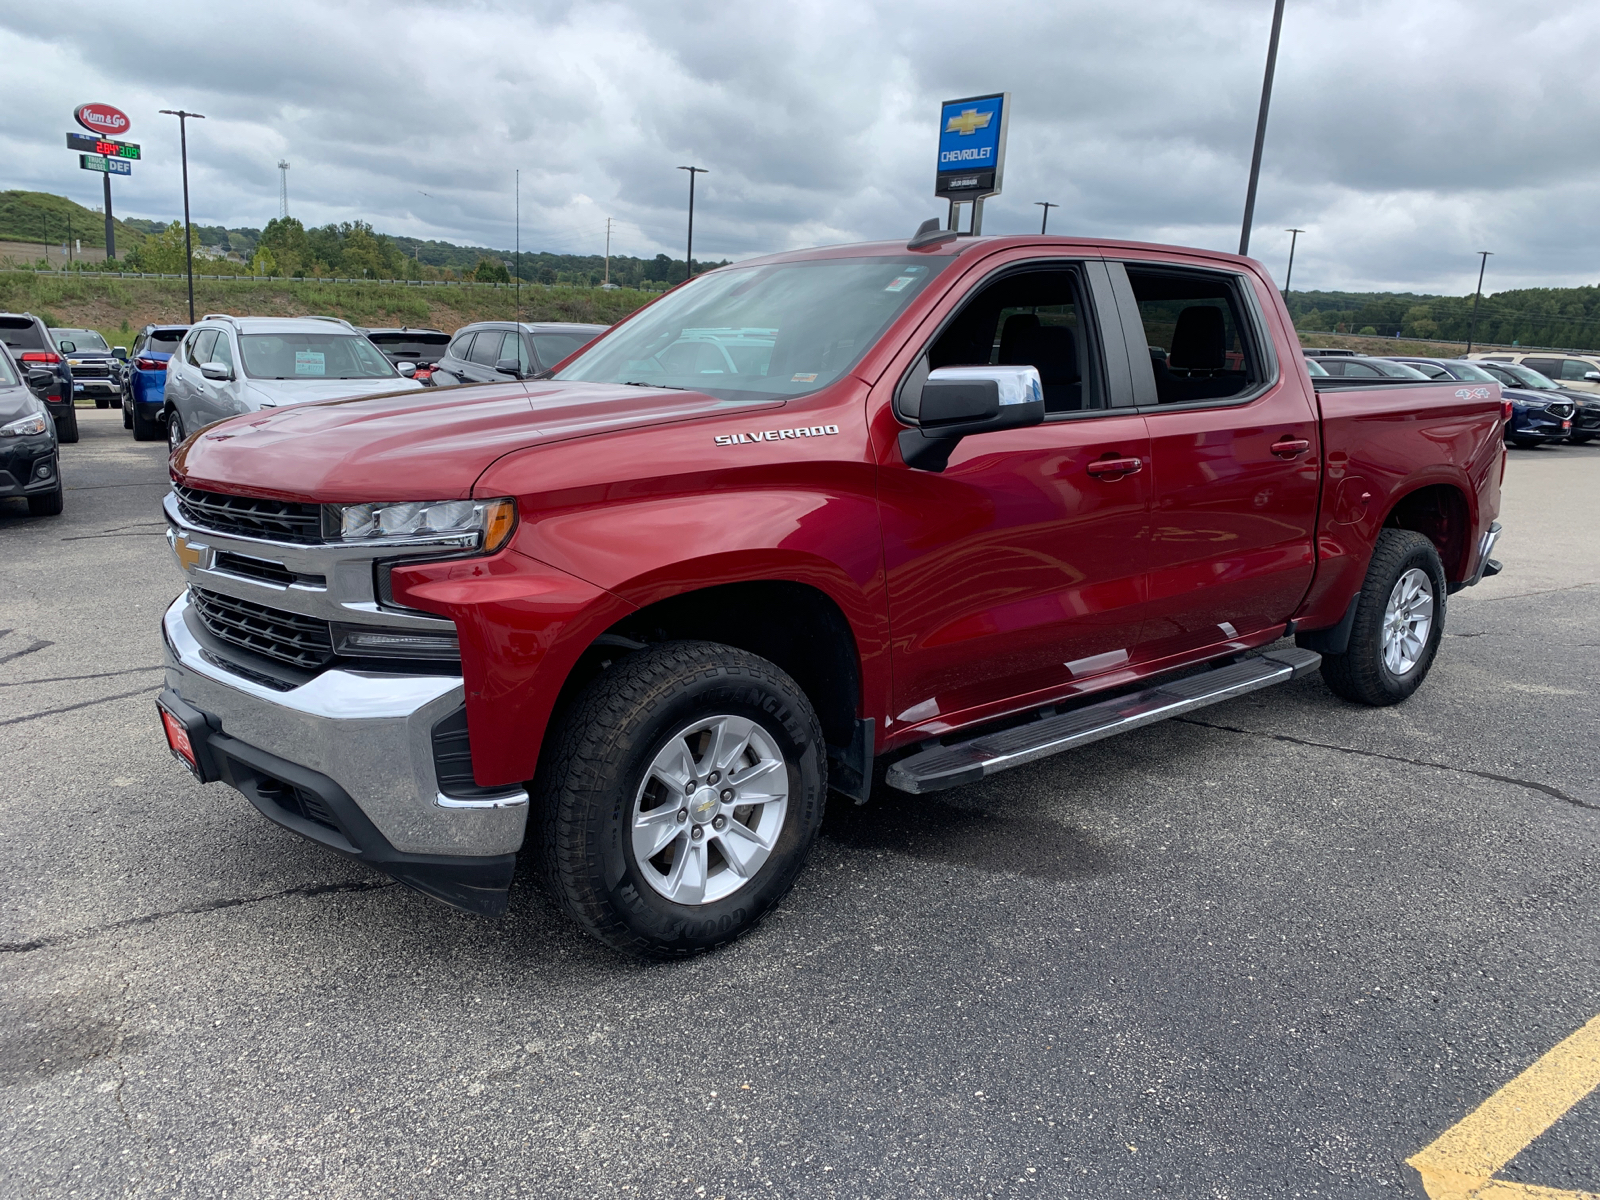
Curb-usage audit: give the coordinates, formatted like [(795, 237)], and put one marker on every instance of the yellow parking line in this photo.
[(1461, 1162)]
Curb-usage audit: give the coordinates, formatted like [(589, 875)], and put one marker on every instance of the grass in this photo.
[(118, 308)]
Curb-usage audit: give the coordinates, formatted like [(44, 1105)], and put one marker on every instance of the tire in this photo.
[(127, 416), (114, 401), (175, 431), (48, 504), (67, 427), (145, 429), (102, 401), (596, 795), (1526, 443), (1582, 439), (1375, 670)]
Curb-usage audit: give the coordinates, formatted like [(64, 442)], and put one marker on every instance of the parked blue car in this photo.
[(1535, 417), (145, 382)]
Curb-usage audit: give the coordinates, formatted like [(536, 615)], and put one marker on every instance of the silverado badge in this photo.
[(776, 435)]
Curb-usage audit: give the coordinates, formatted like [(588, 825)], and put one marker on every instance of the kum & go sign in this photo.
[(102, 119)]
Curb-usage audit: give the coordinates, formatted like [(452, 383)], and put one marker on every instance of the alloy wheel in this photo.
[(1407, 622)]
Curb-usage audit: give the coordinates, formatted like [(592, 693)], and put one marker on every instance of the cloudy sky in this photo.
[(1406, 134)]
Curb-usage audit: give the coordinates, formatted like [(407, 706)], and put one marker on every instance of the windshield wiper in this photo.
[(640, 383)]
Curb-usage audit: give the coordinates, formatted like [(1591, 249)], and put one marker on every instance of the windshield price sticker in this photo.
[(310, 362)]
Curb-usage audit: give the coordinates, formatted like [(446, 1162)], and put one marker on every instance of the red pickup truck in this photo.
[(907, 512)]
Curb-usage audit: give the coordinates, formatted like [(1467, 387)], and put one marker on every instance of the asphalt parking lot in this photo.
[(1271, 951)]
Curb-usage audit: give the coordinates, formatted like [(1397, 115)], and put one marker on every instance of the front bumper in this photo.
[(28, 465), (360, 745)]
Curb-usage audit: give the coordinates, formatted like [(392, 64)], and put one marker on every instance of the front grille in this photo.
[(250, 516), (86, 371), (288, 637), (264, 570), (1560, 409)]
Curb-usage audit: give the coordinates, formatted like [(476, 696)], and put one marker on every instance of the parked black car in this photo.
[(1535, 418), (29, 464), (1586, 405), (423, 347), (33, 350), (500, 350), (97, 368)]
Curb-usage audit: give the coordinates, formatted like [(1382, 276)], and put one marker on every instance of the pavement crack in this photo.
[(50, 712), (84, 537), (1546, 592), (73, 678), (323, 889), (38, 644), (1530, 784)]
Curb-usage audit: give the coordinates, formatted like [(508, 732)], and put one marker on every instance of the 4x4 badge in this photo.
[(777, 435)]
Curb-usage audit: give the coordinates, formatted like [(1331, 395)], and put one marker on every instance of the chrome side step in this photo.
[(941, 767)]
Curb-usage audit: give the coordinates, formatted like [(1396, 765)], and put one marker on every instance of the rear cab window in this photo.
[(1203, 342)]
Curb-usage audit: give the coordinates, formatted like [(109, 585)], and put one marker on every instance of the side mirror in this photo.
[(1592, 376), (216, 370), (41, 381), (120, 352), (407, 369), (67, 347), (955, 402), (509, 366)]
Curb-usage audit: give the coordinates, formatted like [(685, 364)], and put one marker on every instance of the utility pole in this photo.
[(1472, 329), (1294, 236), (1045, 219), (608, 252), (517, 303), (111, 230), (1261, 128), (183, 143), (688, 256), (283, 188)]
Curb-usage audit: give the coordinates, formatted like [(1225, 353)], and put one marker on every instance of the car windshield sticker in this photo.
[(310, 362), (803, 378), (896, 285)]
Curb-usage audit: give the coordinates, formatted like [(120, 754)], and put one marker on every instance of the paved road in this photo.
[(1268, 952)]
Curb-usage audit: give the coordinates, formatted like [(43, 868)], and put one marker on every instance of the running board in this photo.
[(940, 767)]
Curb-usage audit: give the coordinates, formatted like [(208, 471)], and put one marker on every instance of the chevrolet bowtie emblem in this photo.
[(968, 120), (190, 554)]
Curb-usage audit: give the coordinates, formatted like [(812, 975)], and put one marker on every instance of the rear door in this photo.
[(1018, 572), (1234, 442)]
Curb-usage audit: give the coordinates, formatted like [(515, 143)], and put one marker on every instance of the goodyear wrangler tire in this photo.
[(1399, 621), (682, 796)]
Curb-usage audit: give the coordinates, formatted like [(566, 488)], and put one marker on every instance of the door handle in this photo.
[(1288, 447), (1115, 467)]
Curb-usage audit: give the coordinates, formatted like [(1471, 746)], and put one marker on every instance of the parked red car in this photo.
[(913, 508)]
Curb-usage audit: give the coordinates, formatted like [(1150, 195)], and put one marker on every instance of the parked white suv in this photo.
[(230, 365), (1578, 371)]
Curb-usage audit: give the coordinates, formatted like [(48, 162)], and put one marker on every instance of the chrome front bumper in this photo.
[(370, 732)]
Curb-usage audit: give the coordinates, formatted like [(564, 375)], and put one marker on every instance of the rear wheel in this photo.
[(681, 798), (1399, 621), (127, 414), (67, 426), (145, 429)]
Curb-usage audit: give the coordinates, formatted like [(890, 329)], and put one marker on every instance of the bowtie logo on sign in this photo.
[(968, 121)]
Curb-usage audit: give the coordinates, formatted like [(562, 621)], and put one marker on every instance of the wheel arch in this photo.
[(1441, 512)]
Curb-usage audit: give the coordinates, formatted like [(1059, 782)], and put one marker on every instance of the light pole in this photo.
[(1261, 127), (183, 142), (1294, 236), (1472, 329), (688, 256), (1045, 219)]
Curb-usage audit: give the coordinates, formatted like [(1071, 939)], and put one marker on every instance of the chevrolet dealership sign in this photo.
[(972, 146)]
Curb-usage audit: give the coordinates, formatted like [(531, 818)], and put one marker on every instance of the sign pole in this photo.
[(111, 233)]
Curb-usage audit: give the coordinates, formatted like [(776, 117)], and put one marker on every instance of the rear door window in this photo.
[(1545, 366), (461, 347), (1201, 348)]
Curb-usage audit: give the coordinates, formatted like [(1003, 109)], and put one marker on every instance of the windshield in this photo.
[(753, 333), (312, 356), (1471, 371), (1523, 377), (81, 339)]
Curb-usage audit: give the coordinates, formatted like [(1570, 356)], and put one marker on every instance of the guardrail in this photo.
[(459, 283)]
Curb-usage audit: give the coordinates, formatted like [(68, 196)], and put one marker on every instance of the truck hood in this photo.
[(411, 446), (279, 393)]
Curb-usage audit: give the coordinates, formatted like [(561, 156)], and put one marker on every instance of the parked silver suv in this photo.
[(230, 365)]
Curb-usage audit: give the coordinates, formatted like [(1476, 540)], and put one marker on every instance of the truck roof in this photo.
[(965, 244)]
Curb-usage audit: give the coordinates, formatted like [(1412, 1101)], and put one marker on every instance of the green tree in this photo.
[(161, 253), (491, 270), (285, 239)]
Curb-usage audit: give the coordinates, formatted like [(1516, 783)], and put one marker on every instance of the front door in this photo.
[(1236, 457), (1017, 573)]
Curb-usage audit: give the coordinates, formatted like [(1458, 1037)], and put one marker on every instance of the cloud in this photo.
[(1404, 136)]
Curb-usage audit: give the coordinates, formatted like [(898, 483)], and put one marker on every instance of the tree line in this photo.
[(1562, 317)]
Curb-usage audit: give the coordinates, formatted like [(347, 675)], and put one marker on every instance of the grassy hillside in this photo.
[(36, 217), (119, 307)]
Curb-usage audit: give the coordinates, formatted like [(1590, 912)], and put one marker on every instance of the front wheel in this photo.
[(67, 426), (1526, 443), (1399, 621), (175, 434), (48, 504), (1581, 439), (681, 797), (102, 401)]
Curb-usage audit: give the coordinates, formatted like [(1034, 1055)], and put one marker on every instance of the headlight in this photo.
[(468, 524), (37, 423)]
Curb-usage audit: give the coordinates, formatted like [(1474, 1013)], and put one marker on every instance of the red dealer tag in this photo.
[(178, 741)]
